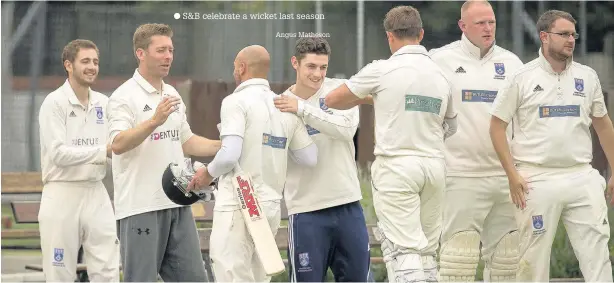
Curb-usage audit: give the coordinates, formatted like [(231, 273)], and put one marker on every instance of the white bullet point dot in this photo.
[(177, 16)]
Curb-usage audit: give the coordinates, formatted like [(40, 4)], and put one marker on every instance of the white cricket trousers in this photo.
[(75, 214), (232, 250), (577, 197), (407, 196)]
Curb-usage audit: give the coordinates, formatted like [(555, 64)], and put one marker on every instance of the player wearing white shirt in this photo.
[(257, 137), (412, 103), (327, 226), (476, 207), (148, 131), (552, 102), (75, 207)]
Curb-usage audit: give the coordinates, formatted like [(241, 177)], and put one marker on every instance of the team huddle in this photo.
[(477, 156)]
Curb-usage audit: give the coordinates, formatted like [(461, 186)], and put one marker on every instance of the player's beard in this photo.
[(237, 78), (558, 55), (80, 78)]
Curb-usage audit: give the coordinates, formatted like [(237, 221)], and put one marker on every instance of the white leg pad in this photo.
[(429, 263), (459, 257), (504, 263), (402, 265)]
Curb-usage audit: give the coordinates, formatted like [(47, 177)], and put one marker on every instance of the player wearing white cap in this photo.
[(412, 103), (258, 137), (75, 207), (326, 226), (477, 210), (552, 101)]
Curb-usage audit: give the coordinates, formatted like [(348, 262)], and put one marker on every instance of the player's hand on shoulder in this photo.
[(167, 106), (286, 103)]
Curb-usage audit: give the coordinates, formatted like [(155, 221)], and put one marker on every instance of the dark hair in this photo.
[(311, 45), (404, 22)]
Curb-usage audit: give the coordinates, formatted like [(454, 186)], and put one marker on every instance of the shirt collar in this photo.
[(411, 49), (546, 65), (252, 82), (144, 83), (473, 50), (72, 97)]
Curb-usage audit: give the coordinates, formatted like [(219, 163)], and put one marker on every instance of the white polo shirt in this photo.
[(73, 138), (551, 113), (475, 82), (334, 180), (411, 96), (268, 134), (137, 174)]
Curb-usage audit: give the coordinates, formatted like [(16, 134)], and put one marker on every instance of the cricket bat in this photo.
[(257, 224)]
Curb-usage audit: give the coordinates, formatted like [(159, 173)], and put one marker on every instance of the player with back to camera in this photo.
[(327, 227), (552, 102), (412, 102), (148, 131), (75, 206), (259, 138), (477, 210)]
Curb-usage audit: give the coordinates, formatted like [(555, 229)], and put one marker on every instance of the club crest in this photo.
[(323, 105), (58, 254), (579, 84), (98, 112), (538, 222), (500, 68), (303, 259)]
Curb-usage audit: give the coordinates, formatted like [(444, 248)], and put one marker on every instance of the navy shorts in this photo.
[(334, 237)]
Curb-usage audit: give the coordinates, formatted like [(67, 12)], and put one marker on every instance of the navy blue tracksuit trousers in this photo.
[(334, 237)]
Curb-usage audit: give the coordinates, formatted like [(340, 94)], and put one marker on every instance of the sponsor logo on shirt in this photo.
[(499, 71), (169, 134), (478, 95), (559, 111), (311, 131), (422, 104), (579, 84), (273, 141), (460, 70), (85, 141)]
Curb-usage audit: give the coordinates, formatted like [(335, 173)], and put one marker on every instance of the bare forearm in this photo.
[(499, 140), (129, 139), (605, 132), (200, 146)]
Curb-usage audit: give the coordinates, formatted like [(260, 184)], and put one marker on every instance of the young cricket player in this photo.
[(148, 131), (327, 226), (552, 101), (75, 207), (257, 137), (412, 105), (477, 210)]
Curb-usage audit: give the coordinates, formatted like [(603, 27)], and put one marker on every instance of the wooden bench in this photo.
[(22, 183)]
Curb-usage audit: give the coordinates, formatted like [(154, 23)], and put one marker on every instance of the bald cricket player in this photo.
[(258, 137), (478, 214)]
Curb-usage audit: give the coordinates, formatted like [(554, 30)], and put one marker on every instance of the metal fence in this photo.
[(205, 48)]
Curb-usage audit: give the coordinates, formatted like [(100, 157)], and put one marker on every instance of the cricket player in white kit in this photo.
[(412, 105), (476, 207), (552, 102), (148, 131), (75, 207), (257, 137), (327, 226)]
